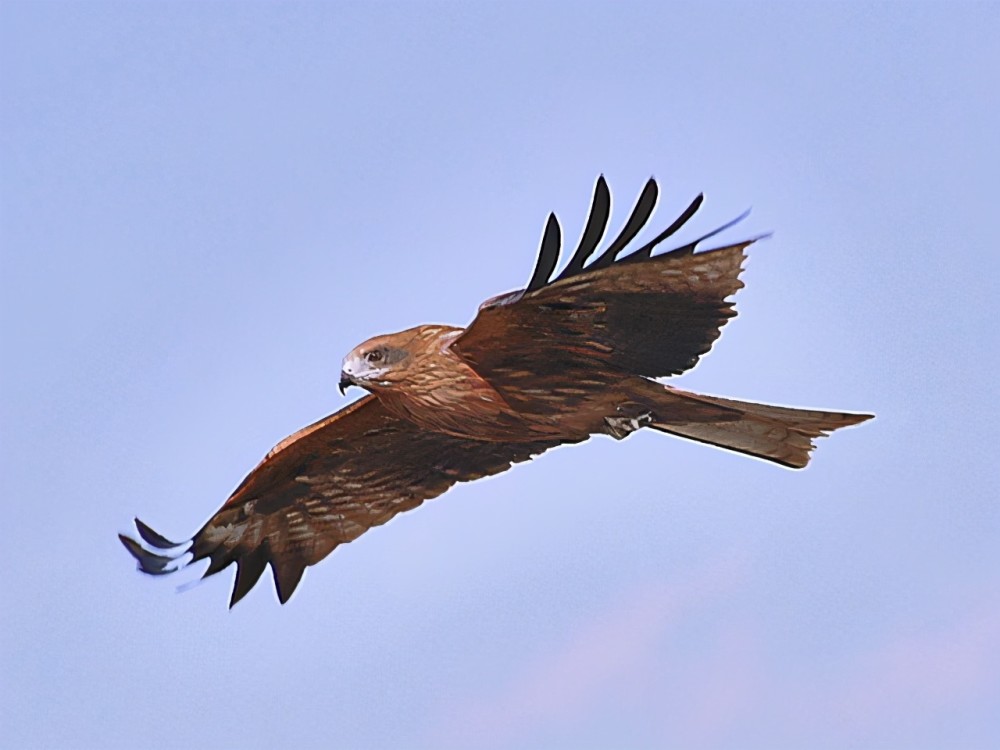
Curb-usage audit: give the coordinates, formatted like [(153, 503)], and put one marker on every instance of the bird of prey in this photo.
[(573, 354)]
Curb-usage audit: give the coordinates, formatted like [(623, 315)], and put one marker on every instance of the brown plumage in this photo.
[(567, 357)]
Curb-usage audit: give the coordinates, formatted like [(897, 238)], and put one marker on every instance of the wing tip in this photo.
[(156, 555), (153, 538), (287, 576), (551, 245), (854, 418), (593, 231), (548, 254), (148, 561)]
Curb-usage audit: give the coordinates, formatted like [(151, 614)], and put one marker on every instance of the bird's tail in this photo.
[(773, 433)]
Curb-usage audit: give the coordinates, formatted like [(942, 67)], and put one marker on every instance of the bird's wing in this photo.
[(323, 486), (638, 313)]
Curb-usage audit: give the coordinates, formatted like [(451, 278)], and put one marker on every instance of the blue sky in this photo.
[(204, 206)]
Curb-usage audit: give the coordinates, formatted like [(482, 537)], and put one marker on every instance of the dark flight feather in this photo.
[(152, 538), (148, 562), (641, 212), (646, 250), (691, 246), (548, 254), (597, 224)]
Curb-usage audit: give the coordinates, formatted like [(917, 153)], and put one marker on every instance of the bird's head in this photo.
[(377, 363)]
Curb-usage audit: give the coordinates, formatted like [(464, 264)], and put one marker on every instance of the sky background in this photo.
[(205, 206)]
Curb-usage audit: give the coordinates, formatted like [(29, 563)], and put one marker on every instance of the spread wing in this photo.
[(324, 486), (638, 313)]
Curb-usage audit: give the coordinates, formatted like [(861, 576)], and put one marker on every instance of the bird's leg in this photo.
[(629, 417)]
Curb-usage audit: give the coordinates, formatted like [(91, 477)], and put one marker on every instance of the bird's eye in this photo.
[(373, 356)]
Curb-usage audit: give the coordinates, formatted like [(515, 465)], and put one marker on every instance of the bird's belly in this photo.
[(470, 415)]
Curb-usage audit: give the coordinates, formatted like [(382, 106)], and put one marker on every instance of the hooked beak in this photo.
[(346, 381)]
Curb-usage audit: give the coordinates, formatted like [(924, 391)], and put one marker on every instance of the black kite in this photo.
[(571, 355)]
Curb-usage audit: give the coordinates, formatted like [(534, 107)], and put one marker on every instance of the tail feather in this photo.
[(774, 433)]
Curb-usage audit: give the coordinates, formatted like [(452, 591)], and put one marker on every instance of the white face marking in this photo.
[(362, 372), (358, 367)]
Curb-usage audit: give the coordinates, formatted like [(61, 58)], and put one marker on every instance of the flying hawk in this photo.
[(571, 355)]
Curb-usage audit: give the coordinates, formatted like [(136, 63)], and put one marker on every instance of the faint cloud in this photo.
[(898, 692), (922, 674), (639, 659), (724, 692), (611, 652)]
